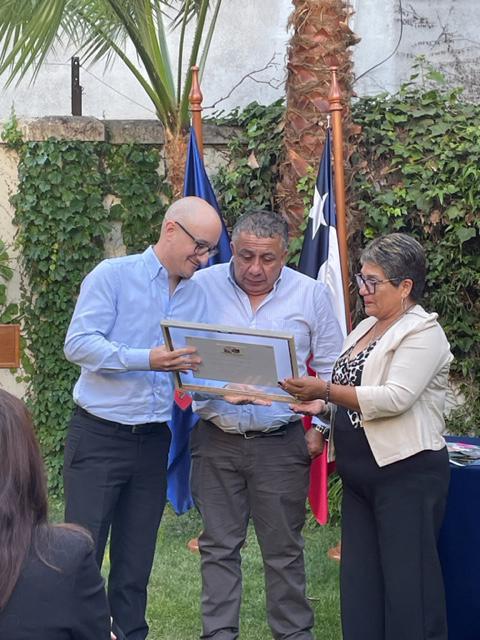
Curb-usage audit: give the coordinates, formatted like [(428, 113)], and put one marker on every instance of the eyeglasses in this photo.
[(202, 248), (370, 284)]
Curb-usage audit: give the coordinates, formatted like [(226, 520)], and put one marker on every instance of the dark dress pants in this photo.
[(115, 480), (266, 478), (390, 577)]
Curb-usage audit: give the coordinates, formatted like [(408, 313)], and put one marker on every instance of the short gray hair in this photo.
[(400, 256), (262, 224)]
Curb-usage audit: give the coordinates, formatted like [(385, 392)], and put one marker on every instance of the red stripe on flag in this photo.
[(320, 469), (182, 399)]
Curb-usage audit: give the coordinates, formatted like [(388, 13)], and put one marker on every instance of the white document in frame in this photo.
[(237, 362)]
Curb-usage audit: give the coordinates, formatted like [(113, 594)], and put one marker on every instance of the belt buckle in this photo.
[(250, 435), (137, 428)]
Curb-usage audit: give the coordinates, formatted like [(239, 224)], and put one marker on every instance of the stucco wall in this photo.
[(246, 40), (444, 31), (8, 186)]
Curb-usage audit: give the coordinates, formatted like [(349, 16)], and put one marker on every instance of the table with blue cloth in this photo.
[(459, 548)]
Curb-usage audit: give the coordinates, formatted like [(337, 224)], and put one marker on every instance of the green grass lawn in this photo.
[(174, 591)]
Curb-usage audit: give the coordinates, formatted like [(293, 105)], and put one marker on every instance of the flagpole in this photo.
[(336, 109), (195, 98)]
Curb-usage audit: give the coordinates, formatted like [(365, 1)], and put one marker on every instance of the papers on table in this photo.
[(463, 453)]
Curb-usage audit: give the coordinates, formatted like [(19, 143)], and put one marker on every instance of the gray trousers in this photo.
[(266, 478)]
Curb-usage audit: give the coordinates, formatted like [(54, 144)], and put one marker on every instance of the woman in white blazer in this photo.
[(387, 396)]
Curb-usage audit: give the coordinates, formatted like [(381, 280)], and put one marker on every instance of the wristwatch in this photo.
[(323, 429)]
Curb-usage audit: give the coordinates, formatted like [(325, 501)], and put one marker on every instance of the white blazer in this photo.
[(404, 382)]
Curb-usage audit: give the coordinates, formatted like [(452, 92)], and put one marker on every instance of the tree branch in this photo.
[(251, 76)]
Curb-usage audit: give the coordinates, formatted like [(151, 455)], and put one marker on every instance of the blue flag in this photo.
[(197, 184), (183, 418), (320, 256)]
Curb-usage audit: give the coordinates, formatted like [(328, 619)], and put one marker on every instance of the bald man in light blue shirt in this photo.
[(117, 445)]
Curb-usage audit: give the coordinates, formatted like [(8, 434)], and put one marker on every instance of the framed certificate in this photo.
[(234, 356)]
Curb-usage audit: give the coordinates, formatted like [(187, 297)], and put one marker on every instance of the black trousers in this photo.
[(391, 583), (116, 481), (266, 478)]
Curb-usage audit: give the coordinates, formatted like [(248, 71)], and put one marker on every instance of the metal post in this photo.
[(76, 88)]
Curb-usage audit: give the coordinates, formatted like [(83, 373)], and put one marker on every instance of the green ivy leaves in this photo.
[(132, 175), (62, 221), (418, 170), (8, 310), (248, 182)]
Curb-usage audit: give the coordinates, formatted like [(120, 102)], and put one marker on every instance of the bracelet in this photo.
[(327, 392)]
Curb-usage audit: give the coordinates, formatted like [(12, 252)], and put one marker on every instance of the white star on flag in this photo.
[(320, 255), (316, 212)]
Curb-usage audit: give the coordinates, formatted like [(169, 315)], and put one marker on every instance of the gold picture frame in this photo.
[(258, 358)]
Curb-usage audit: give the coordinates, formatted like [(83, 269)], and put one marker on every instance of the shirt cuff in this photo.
[(137, 359), (321, 420)]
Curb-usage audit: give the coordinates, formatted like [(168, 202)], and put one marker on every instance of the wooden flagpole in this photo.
[(336, 109), (195, 98)]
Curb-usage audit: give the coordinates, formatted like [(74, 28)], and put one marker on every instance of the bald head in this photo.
[(194, 211), (190, 227)]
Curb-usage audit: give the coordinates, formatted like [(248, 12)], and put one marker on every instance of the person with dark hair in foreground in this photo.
[(387, 395), (50, 584)]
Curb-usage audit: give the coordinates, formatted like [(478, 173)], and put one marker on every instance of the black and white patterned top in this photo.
[(348, 372)]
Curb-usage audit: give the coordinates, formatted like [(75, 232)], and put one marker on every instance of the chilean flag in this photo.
[(320, 259)]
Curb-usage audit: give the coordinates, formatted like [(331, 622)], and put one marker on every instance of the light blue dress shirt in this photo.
[(115, 324), (298, 305)]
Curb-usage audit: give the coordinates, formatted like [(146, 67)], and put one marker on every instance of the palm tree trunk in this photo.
[(321, 38), (175, 156)]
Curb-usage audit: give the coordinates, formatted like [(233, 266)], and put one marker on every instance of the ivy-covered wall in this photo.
[(416, 170), (70, 194), (62, 223)]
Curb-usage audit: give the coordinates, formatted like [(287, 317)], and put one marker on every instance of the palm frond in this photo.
[(28, 30), (180, 49), (197, 40), (188, 10), (208, 39), (100, 29)]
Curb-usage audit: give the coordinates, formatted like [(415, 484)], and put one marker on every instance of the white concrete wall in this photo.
[(445, 31), (244, 42), (249, 33)]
